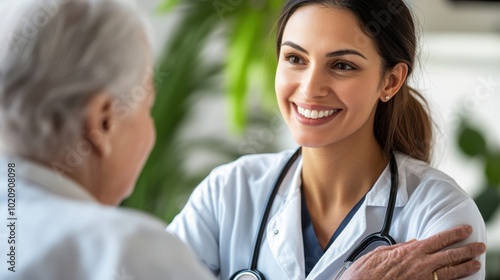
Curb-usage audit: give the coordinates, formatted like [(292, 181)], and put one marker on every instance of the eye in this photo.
[(294, 59), (344, 66)]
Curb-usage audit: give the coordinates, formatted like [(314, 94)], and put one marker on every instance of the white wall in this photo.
[(461, 77), (447, 16)]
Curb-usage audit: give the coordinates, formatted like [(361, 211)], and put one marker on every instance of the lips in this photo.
[(315, 114)]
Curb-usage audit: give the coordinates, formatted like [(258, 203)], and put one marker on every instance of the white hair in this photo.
[(54, 56)]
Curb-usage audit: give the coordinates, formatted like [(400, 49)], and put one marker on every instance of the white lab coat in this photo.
[(222, 216), (63, 233)]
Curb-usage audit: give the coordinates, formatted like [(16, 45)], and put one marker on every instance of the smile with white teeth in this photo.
[(315, 114)]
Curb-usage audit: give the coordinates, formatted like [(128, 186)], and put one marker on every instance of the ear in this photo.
[(393, 81), (99, 123)]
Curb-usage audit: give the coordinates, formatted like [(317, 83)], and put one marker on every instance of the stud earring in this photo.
[(387, 98)]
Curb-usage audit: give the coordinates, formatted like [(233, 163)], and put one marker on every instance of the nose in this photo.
[(314, 83)]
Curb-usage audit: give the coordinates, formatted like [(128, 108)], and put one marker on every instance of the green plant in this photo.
[(184, 73), (249, 62), (180, 75), (473, 144)]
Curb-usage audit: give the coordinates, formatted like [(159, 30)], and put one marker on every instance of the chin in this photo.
[(310, 141), (128, 193), (117, 198), (111, 201), (314, 143)]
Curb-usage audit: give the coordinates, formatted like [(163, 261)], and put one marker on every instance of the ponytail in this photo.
[(403, 124)]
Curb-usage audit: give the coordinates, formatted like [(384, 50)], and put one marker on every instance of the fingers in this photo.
[(458, 271), (452, 263), (459, 255), (397, 245), (446, 238)]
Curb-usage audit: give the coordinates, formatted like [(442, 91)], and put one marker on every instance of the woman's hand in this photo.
[(420, 259)]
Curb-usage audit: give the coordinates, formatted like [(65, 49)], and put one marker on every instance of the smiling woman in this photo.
[(363, 163), (347, 81), (363, 66)]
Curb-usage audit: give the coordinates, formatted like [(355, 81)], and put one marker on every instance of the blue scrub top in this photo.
[(312, 249)]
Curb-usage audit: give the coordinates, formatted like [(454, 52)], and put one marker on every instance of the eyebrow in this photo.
[(330, 54)]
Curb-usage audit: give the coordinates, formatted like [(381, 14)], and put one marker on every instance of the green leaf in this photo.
[(471, 141), (180, 76), (241, 49), (167, 6), (488, 202), (492, 169)]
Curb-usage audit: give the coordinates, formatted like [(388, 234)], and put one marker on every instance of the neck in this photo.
[(341, 174), (89, 175)]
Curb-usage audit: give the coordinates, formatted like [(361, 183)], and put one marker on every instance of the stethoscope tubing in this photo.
[(253, 272), (267, 211), (382, 235)]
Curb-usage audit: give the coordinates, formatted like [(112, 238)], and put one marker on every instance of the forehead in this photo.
[(326, 29)]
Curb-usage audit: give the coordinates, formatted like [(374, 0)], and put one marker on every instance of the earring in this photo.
[(387, 98)]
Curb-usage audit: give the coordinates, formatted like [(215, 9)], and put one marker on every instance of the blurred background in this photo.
[(215, 64)]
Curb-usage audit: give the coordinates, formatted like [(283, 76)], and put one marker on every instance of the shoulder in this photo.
[(135, 243), (436, 200), (95, 241), (435, 194), (435, 203), (107, 227), (128, 222), (421, 177)]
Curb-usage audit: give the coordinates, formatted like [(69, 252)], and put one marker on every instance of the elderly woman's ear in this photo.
[(99, 123)]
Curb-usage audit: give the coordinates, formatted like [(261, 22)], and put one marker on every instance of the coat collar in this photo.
[(289, 194), (46, 178), (378, 196)]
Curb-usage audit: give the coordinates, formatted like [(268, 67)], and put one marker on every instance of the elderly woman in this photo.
[(76, 129)]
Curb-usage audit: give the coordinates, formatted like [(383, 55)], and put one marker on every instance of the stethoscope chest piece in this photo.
[(248, 274)]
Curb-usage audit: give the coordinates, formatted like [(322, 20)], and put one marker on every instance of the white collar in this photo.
[(47, 178), (377, 196)]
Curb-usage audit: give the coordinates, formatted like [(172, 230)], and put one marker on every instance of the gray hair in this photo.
[(57, 54)]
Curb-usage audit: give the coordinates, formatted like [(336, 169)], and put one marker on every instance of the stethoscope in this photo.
[(381, 236)]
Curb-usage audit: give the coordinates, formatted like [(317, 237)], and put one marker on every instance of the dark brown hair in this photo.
[(403, 123)]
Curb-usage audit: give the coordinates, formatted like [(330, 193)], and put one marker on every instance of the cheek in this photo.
[(279, 82), (151, 134), (283, 85), (361, 94), (143, 139), (148, 137), (283, 92)]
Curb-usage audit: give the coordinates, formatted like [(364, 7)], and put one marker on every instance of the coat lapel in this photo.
[(284, 230)]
